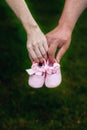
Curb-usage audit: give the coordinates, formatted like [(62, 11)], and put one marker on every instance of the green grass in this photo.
[(25, 108)]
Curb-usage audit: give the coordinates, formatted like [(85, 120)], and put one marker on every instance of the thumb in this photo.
[(61, 53)]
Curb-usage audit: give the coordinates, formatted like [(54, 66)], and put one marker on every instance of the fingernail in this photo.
[(36, 60), (41, 60)]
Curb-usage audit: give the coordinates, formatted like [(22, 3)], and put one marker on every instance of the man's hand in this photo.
[(60, 38), (37, 45)]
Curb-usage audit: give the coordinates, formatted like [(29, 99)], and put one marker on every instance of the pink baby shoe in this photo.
[(37, 75), (53, 75)]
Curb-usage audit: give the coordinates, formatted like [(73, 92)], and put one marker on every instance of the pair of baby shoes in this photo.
[(47, 73)]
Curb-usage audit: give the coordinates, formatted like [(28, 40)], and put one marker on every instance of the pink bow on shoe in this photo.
[(36, 69), (53, 69)]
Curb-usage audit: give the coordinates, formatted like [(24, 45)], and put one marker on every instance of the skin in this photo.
[(60, 37), (36, 41)]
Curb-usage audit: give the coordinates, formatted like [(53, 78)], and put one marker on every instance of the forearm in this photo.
[(71, 12), (21, 10)]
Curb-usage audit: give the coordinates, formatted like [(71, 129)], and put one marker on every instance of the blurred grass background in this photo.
[(24, 108)]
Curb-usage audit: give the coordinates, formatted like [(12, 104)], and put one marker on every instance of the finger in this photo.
[(33, 55), (31, 58), (61, 52), (39, 55), (51, 52), (43, 52), (45, 45)]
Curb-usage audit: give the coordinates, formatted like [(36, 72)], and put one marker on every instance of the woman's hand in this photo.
[(37, 45), (36, 41)]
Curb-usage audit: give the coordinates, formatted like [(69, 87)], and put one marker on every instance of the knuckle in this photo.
[(40, 57), (34, 44), (65, 39), (44, 54), (29, 46)]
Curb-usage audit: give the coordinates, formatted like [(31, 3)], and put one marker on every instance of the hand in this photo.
[(37, 45), (60, 38)]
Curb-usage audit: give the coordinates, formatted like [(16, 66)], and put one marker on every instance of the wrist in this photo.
[(29, 28), (65, 28), (66, 25)]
